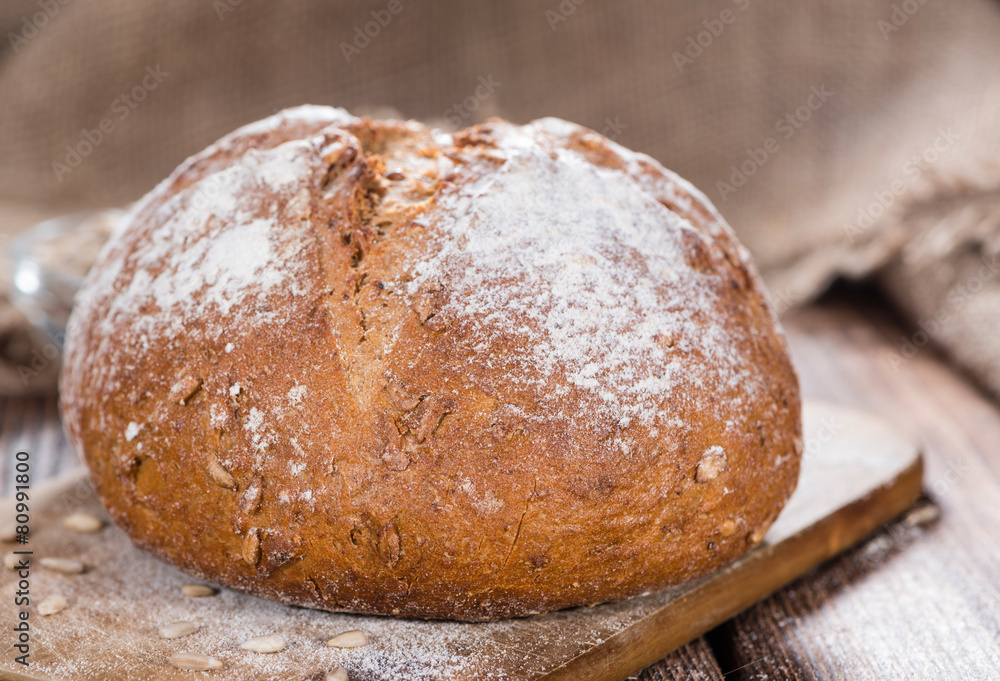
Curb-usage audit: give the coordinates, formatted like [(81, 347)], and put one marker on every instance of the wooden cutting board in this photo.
[(857, 474)]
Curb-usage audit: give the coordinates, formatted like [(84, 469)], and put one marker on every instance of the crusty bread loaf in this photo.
[(360, 365)]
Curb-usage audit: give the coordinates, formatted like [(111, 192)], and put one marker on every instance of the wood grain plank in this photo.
[(693, 662), (920, 599), (32, 424)]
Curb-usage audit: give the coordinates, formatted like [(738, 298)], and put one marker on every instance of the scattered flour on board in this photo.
[(110, 624)]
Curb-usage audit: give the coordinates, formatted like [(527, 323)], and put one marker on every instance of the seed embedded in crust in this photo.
[(219, 474), (387, 544), (251, 547), (728, 527), (198, 590), (400, 398), (52, 604), (394, 458), (665, 340), (757, 536), (337, 152), (355, 638), (178, 629), (85, 523), (713, 462), (66, 566), (194, 662), (183, 389), (271, 643), (338, 674), (250, 503)]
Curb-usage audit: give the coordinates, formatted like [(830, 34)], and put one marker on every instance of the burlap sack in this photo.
[(831, 134)]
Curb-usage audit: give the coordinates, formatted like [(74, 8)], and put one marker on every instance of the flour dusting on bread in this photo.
[(371, 367), (582, 265), (222, 242)]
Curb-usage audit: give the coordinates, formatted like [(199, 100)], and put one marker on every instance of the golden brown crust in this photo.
[(357, 365)]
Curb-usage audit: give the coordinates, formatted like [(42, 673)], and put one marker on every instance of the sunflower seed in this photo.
[(251, 547), (52, 604), (922, 516), (354, 638), (219, 474), (66, 566), (757, 536), (183, 389), (270, 643), (713, 462), (338, 674), (179, 629), (194, 662), (198, 590), (729, 526), (85, 523)]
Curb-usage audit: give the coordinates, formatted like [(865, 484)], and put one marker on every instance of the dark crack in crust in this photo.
[(334, 441)]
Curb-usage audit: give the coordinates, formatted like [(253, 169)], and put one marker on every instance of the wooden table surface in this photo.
[(919, 600)]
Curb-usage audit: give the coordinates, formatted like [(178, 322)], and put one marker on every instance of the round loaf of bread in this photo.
[(366, 366)]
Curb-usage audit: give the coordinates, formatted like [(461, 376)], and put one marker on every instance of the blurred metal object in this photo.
[(50, 260)]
